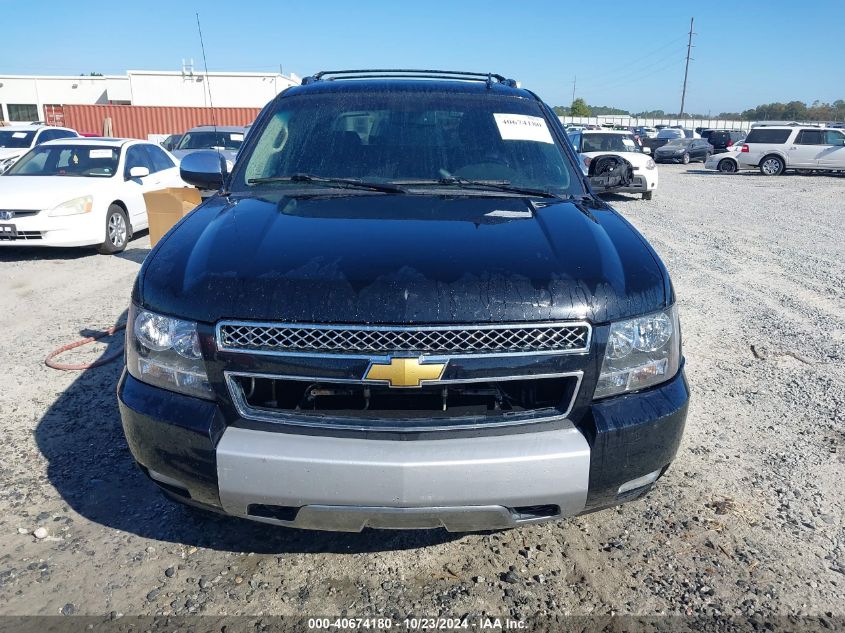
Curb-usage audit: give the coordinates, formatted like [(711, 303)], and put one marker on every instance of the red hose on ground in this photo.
[(100, 361)]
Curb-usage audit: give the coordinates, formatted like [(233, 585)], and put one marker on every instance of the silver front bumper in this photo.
[(347, 484)]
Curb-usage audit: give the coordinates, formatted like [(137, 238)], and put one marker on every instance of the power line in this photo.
[(630, 63), (686, 68), (665, 65)]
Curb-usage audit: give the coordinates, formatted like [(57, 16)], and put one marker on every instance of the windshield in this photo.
[(211, 140), (81, 161), (422, 138), (678, 142), (609, 143), (12, 139)]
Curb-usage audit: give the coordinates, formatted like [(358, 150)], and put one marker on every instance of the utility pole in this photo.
[(686, 68), (574, 79)]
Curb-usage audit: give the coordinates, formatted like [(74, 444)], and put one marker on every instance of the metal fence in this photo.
[(634, 121)]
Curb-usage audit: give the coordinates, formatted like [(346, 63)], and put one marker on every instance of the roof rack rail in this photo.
[(408, 73)]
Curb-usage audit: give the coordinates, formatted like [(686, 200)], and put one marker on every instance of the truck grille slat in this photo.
[(445, 340)]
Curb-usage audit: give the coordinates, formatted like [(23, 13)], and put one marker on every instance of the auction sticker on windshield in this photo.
[(522, 127)]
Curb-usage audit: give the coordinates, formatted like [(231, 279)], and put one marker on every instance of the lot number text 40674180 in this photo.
[(417, 624)]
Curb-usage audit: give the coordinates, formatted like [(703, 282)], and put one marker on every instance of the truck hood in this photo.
[(401, 259)]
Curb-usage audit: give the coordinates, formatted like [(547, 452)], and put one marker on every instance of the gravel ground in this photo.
[(747, 522)]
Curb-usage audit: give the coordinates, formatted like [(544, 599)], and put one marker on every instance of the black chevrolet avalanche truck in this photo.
[(404, 308)]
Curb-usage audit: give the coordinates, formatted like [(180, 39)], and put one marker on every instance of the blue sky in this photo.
[(627, 54)]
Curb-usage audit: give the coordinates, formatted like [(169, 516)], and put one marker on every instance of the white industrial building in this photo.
[(27, 98)]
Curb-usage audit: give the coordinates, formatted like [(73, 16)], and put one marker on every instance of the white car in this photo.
[(592, 143), (774, 149), (82, 191), (17, 140), (726, 162)]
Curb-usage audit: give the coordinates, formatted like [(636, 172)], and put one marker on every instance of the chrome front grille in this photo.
[(281, 338), (11, 214)]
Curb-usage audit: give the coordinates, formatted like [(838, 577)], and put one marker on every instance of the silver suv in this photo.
[(226, 139), (776, 149)]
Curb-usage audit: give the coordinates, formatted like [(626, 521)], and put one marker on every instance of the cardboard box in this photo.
[(166, 207)]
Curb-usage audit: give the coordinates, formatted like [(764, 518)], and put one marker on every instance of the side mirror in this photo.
[(839, 142), (646, 150), (204, 169), (138, 172)]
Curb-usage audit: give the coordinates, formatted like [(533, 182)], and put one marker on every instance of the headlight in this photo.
[(73, 207), (640, 353), (650, 164), (165, 352)]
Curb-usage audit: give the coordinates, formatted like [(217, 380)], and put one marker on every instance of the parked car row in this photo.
[(74, 191)]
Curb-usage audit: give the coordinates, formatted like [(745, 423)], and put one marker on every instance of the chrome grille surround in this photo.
[(367, 341), (365, 423)]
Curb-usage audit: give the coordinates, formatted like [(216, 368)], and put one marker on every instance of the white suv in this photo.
[(776, 149)]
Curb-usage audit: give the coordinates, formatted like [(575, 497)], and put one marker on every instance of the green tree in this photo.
[(607, 110), (651, 114), (579, 107)]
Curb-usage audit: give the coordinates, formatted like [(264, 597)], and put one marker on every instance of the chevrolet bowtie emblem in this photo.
[(404, 372)]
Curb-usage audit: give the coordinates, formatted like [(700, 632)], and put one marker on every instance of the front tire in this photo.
[(117, 231), (727, 166), (685, 159), (706, 157), (648, 195), (772, 166)]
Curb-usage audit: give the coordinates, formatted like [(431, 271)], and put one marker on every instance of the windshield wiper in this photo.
[(495, 185), (347, 183)]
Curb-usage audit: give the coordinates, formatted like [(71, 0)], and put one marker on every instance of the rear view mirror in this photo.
[(205, 169), (138, 172)]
